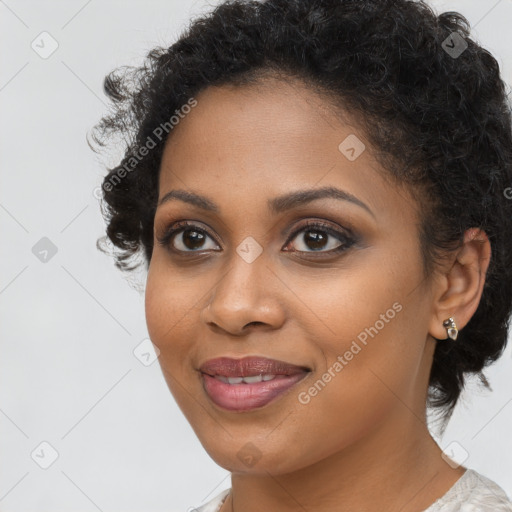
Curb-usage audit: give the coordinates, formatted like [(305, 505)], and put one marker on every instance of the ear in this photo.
[(458, 289)]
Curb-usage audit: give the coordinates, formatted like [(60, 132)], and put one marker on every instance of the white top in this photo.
[(475, 492)]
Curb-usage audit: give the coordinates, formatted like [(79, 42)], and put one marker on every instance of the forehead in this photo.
[(273, 122), (271, 109), (268, 139)]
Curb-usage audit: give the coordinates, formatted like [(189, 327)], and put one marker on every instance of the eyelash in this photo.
[(347, 240)]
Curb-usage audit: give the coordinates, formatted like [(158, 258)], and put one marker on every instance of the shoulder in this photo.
[(473, 492), (214, 504), (486, 495)]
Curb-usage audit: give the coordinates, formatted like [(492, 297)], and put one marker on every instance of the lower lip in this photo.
[(244, 397)]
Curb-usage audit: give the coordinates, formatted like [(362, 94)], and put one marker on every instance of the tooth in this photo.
[(248, 380), (253, 379)]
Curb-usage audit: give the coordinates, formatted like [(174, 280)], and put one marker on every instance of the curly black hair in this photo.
[(431, 102)]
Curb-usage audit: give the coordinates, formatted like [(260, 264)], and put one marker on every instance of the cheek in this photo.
[(370, 343), (168, 306), (169, 320), (172, 310), (155, 307)]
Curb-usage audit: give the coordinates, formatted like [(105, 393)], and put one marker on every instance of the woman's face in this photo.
[(346, 300)]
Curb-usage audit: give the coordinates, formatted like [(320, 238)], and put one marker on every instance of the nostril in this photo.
[(254, 323)]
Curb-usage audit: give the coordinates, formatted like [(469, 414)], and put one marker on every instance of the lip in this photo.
[(249, 366), (243, 396)]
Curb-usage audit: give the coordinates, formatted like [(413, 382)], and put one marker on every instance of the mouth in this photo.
[(248, 383)]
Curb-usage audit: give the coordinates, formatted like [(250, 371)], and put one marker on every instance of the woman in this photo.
[(319, 190)]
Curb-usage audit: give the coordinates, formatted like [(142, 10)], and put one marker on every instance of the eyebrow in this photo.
[(276, 205)]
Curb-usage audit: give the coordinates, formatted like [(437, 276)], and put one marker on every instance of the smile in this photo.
[(247, 393)]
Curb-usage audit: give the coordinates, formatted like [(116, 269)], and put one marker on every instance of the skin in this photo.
[(362, 441)]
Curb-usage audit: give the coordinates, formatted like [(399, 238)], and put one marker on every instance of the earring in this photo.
[(451, 328)]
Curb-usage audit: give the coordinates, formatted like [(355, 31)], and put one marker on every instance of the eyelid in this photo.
[(178, 226), (343, 234), (334, 230)]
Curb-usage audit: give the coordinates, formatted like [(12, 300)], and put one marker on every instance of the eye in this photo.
[(315, 236), (191, 238), (185, 236)]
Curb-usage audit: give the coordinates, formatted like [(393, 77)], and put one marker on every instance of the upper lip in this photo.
[(249, 366)]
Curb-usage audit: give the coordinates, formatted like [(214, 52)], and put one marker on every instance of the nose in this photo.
[(247, 296)]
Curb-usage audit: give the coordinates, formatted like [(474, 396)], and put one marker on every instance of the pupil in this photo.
[(315, 238), (195, 239)]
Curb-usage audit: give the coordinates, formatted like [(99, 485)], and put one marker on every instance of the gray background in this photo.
[(68, 374)]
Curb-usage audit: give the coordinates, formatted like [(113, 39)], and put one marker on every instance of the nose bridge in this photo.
[(247, 272), (244, 293)]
